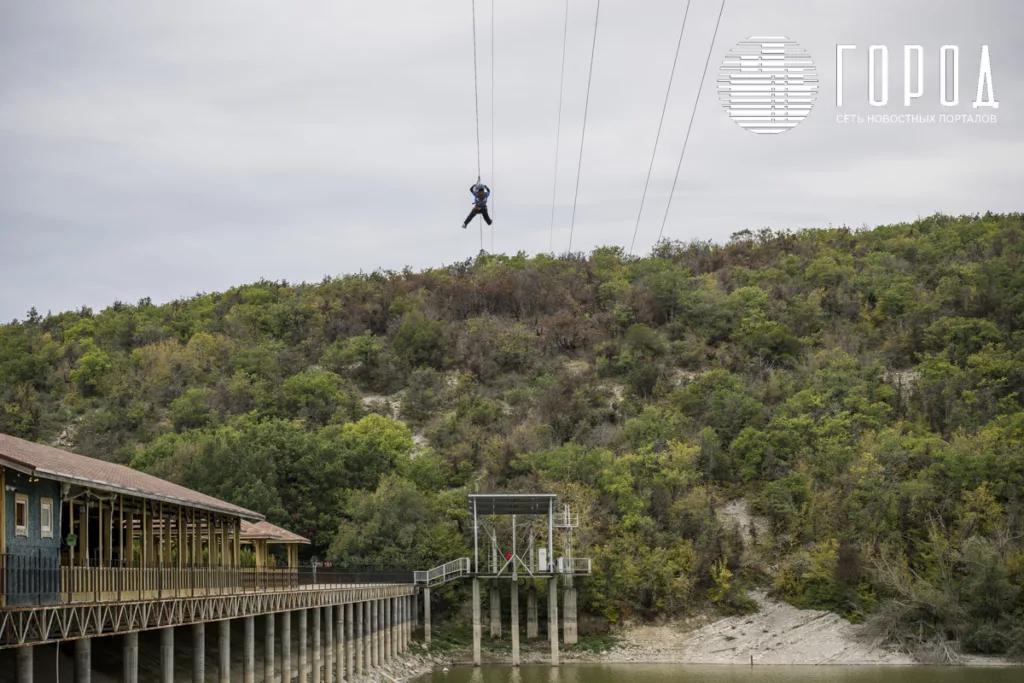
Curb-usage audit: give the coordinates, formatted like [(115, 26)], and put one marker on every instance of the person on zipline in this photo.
[(480, 194)]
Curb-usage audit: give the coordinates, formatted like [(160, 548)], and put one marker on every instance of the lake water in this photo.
[(671, 673)]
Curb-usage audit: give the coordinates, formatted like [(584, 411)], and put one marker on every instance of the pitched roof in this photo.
[(54, 463), (266, 531)]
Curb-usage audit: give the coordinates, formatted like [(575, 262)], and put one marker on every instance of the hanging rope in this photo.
[(657, 136), (476, 99), (558, 130), (476, 95), (693, 115), (583, 135), (492, 119)]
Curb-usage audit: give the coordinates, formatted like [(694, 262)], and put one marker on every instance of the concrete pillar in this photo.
[(495, 611), (476, 622), (388, 630), (359, 642), (400, 625), (569, 630), (531, 611), (553, 618), (374, 634), (370, 618), (328, 644), (351, 645), (199, 653), (339, 643), (396, 626), (416, 610), (381, 625), (83, 660), (224, 651), (514, 604), (167, 655), (407, 610), (303, 660), (130, 657), (426, 616), (249, 650), (286, 647), (25, 664), (316, 645), (269, 668)]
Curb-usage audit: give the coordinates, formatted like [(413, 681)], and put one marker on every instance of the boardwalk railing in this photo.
[(443, 574), (574, 565), (40, 580)]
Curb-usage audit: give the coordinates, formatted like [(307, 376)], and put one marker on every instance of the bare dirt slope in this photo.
[(778, 634)]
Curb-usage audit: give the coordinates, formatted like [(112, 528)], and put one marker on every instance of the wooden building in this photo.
[(82, 529), (261, 535)]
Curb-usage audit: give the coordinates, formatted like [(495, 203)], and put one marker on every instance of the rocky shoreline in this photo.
[(778, 634)]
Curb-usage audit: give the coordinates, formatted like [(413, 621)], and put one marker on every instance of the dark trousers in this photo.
[(475, 211)]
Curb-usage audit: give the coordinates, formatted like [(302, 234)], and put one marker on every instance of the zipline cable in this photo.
[(492, 118), (583, 135), (657, 136), (476, 99), (558, 130), (693, 115)]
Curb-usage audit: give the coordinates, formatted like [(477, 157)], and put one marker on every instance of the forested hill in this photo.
[(859, 392)]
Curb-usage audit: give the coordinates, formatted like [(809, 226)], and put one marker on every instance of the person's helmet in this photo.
[(479, 186)]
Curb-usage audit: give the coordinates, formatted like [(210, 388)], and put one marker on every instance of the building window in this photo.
[(20, 514), (46, 518)]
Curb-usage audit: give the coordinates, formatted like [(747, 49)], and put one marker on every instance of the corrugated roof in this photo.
[(53, 463), (266, 531)]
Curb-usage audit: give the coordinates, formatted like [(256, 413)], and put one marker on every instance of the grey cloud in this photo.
[(194, 146)]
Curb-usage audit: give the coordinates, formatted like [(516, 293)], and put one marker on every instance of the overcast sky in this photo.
[(165, 149)]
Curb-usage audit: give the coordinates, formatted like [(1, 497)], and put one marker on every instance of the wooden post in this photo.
[(180, 545), (83, 537), (206, 537), (110, 535), (160, 509), (99, 533), (129, 533), (120, 536), (144, 540), (71, 551)]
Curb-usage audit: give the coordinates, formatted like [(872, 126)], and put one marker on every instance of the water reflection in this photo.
[(671, 673)]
